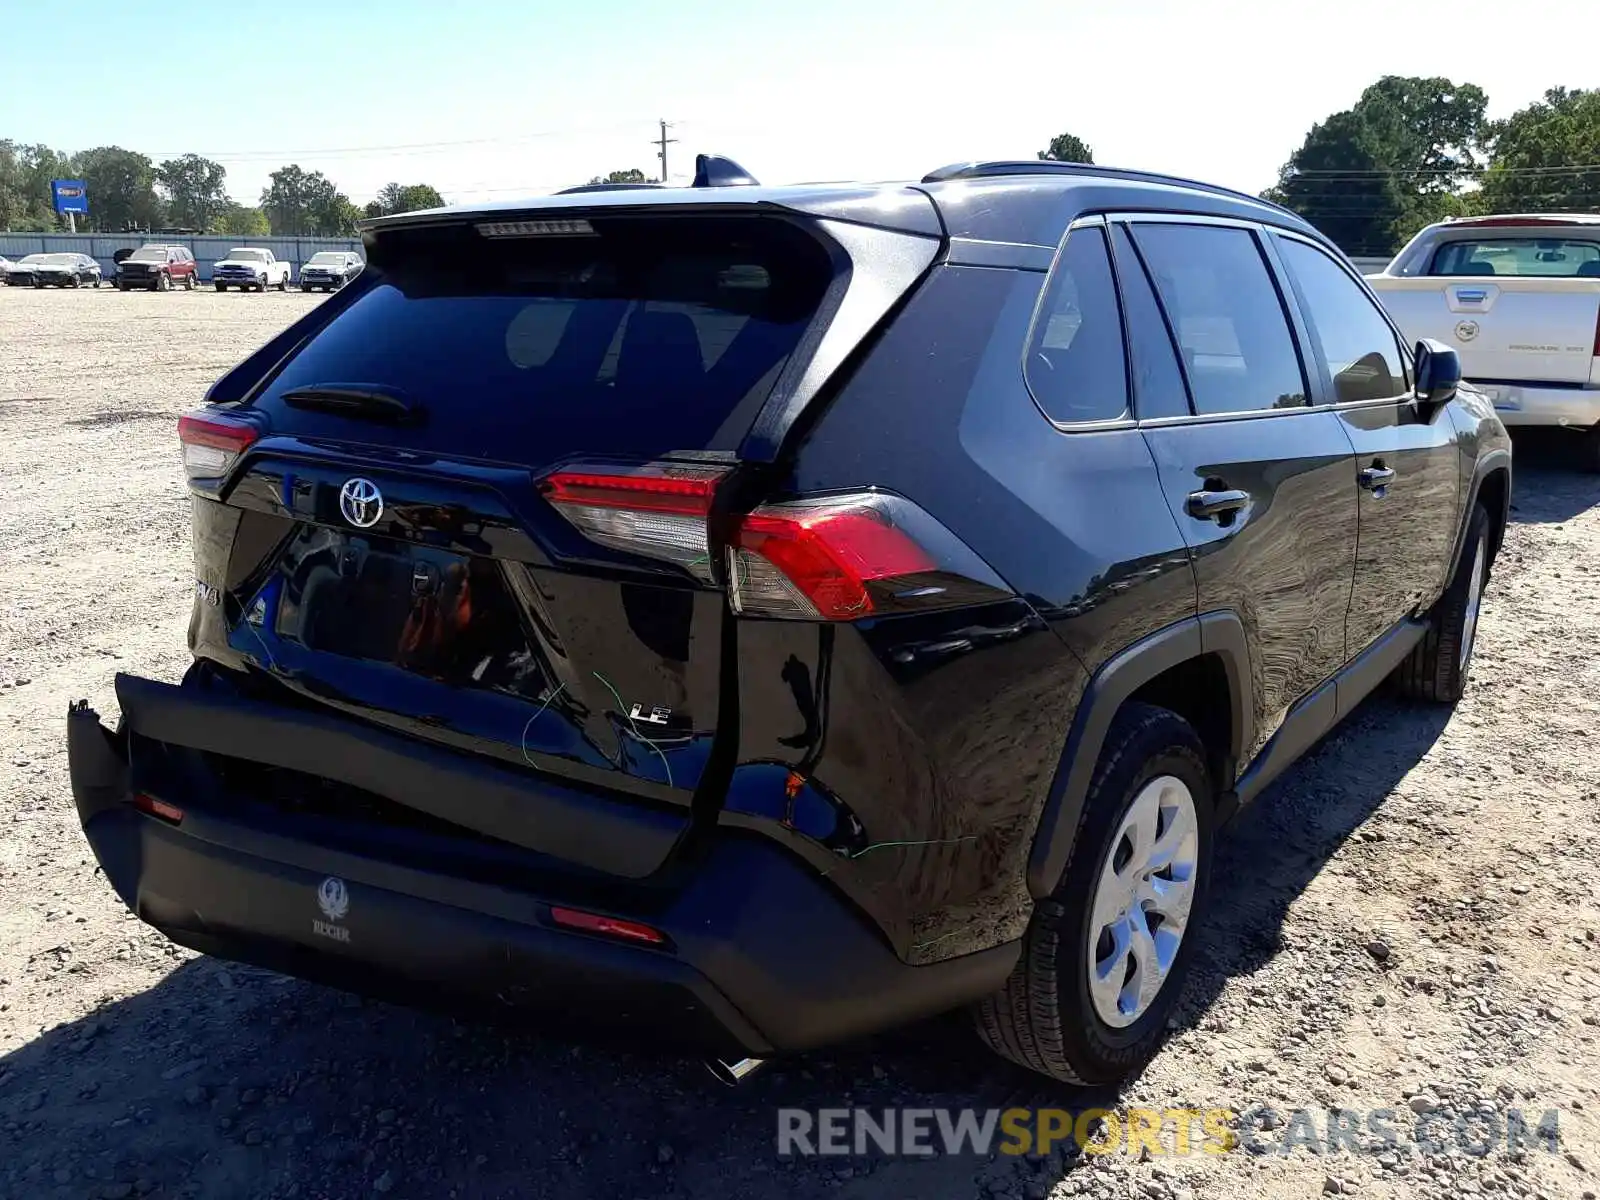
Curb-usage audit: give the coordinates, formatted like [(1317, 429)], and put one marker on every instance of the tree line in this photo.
[(129, 191), (1413, 150)]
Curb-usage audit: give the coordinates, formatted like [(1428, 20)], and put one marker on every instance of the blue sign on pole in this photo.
[(70, 195)]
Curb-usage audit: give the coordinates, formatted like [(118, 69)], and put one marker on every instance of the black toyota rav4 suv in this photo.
[(771, 614)]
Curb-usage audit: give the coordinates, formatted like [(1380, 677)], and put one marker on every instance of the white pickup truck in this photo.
[(1518, 297), (250, 268)]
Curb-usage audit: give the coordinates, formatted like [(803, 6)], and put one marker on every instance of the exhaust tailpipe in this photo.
[(734, 1073)]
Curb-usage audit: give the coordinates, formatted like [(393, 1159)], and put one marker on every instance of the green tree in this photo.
[(1065, 147), (398, 198), (300, 203), (122, 188), (1370, 176), (25, 175), (195, 191), (1546, 156), (631, 175), (241, 221)]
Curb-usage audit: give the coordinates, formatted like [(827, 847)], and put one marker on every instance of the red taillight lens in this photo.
[(587, 922), (852, 556), (212, 443), (157, 808), (657, 510), (819, 559)]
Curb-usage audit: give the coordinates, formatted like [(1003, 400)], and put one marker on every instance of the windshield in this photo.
[(149, 254), (1547, 257), (34, 260), (248, 255), (326, 259), (53, 260)]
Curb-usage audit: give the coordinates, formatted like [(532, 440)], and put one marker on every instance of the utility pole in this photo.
[(663, 141)]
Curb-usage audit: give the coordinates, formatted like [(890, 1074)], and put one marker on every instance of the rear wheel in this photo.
[(1436, 669), (1104, 957), (283, 283), (188, 282)]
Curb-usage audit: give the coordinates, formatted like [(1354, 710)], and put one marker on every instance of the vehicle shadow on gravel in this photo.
[(1550, 483), (226, 1080), (1277, 846)]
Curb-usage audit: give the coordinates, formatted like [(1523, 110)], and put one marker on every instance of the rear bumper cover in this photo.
[(764, 955), (1530, 404)]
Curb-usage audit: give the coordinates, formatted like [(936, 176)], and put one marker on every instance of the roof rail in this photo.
[(606, 187), (983, 170)]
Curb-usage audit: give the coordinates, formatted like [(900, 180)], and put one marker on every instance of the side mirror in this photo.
[(1438, 373)]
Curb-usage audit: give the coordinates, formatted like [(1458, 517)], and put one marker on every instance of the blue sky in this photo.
[(487, 98)]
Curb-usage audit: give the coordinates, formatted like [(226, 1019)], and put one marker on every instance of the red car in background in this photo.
[(159, 268)]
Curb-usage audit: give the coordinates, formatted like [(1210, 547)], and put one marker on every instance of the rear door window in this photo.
[(652, 335), (1076, 366), (1229, 320), (1569, 258), (1158, 387)]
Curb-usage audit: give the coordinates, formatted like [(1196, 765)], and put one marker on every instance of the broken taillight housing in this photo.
[(834, 558), (658, 510), (844, 557), (212, 443)]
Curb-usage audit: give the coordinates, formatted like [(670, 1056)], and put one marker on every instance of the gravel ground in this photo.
[(1407, 922)]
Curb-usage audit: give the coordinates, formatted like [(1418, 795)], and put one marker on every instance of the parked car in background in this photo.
[(250, 268), (768, 615), (158, 268), (5, 268), (1519, 299), (329, 270), (54, 270)]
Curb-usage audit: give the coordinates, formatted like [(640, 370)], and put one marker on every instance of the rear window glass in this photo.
[(653, 335), (1552, 257)]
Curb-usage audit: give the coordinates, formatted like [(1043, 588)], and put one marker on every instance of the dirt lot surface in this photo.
[(1408, 922)]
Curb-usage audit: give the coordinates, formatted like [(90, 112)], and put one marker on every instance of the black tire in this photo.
[(305, 287), (222, 287), (1589, 452), (1044, 1018), (1436, 670), (261, 284), (76, 283), (188, 282), (283, 284), (122, 285), (163, 282), (97, 281)]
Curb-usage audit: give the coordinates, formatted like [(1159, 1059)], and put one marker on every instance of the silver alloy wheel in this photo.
[(1142, 900), (1469, 627)]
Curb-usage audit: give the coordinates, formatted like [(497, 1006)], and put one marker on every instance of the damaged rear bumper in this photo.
[(760, 953)]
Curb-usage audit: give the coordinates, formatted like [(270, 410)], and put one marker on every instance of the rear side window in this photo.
[(1226, 313), (1076, 368), (652, 335), (1548, 257), (1356, 342)]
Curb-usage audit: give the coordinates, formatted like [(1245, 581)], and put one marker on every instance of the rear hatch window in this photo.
[(1558, 258), (647, 336)]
